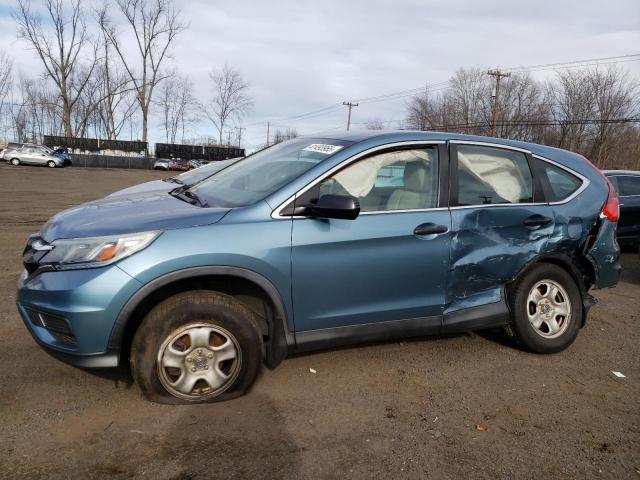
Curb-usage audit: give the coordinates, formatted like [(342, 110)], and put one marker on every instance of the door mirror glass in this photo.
[(343, 207)]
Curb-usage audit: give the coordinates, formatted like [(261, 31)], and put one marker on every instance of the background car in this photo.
[(162, 164), (627, 184), (191, 164), (186, 179), (29, 154), (63, 154)]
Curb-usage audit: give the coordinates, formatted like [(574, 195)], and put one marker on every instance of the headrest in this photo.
[(416, 176)]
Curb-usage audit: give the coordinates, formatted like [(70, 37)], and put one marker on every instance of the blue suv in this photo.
[(318, 242)]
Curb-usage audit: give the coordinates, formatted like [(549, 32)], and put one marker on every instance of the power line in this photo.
[(537, 123), (590, 61), (334, 108)]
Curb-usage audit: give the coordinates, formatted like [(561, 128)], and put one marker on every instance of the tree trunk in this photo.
[(66, 119), (145, 115)]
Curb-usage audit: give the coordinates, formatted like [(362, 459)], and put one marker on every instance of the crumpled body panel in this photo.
[(604, 255), (489, 247)]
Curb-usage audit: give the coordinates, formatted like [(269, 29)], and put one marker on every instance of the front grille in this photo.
[(58, 326)]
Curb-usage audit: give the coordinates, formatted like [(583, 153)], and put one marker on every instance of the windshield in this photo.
[(263, 173), (198, 174)]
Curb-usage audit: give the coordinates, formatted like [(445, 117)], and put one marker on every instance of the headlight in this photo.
[(96, 251)]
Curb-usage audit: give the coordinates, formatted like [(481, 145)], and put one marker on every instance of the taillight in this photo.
[(611, 209)]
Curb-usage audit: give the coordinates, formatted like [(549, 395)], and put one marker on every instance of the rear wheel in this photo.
[(546, 309), (196, 347), (51, 164), (15, 161)]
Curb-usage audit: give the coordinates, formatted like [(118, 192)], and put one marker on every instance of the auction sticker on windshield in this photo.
[(323, 148)]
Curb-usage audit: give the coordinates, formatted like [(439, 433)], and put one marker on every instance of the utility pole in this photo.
[(496, 99), (350, 105), (240, 134), (267, 133), (229, 132)]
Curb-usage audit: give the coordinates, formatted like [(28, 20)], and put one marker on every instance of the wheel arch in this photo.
[(568, 264), (257, 292)]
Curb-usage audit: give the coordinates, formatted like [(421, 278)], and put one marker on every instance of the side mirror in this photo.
[(342, 207)]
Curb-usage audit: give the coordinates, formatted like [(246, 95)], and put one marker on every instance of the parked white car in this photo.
[(26, 154)]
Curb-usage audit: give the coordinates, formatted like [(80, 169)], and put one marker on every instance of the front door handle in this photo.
[(429, 229), (537, 221)]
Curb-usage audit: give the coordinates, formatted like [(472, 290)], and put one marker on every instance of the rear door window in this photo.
[(488, 175), (629, 186)]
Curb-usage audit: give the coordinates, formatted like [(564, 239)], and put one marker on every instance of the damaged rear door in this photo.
[(499, 223)]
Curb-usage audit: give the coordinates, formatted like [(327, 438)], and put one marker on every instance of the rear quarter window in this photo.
[(559, 184)]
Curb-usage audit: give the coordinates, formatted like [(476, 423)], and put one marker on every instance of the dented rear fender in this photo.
[(604, 256)]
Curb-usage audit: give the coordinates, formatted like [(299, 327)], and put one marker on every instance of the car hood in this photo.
[(128, 214), (147, 187)]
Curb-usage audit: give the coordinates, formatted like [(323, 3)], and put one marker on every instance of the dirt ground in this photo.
[(464, 406)]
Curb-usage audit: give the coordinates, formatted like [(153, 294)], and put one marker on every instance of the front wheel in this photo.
[(51, 164), (196, 347), (546, 309), (15, 162)]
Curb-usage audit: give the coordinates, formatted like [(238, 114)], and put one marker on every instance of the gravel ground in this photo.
[(463, 406)]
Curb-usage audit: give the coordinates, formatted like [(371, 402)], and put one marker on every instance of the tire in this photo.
[(179, 322), (51, 164), (15, 162), (534, 311)]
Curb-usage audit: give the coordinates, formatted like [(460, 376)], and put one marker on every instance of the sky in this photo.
[(301, 56)]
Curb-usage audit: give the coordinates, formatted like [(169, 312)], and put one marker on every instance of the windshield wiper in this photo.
[(173, 180), (187, 196)]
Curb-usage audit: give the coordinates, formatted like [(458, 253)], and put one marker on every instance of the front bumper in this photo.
[(88, 301)]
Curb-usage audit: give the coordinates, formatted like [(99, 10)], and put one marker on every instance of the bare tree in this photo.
[(522, 109), (231, 99), (154, 25), (34, 111), (116, 105), (176, 103), (593, 112), (614, 96), (62, 45), (470, 94), (280, 136), (569, 99), (374, 124), (6, 83), (420, 111)]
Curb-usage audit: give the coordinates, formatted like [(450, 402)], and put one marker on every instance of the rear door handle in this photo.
[(537, 221), (429, 229)]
